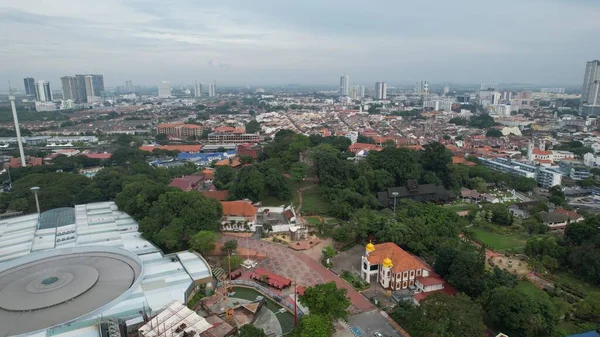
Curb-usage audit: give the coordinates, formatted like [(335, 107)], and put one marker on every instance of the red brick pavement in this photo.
[(299, 267)]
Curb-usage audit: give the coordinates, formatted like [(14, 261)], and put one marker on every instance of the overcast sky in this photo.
[(261, 42)]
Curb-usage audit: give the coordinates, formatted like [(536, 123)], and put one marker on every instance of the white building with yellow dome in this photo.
[(391, 266)]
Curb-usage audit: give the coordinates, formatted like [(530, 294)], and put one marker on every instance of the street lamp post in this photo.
[(35, 191), (395, 194)]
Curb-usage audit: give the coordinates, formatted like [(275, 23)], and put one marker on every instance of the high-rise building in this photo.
[(198, 89), (164, 89), (362, 91), (89, 88), (345, 85), (422, 87), (29, 86), (488, 86), (590, 95), (43, 93), (212, 89), (380, 90), (446, 90), (69, 88), (355, 92), (81, 88), (128, 86), (98, 82)]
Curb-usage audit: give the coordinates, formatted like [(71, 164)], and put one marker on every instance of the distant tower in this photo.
[(530, 150), (198, 89), (446, 90), (29, 85), (164, 89), (380, 90), (11, 98), (43, 93), (212, 89), (69, 88), (345, 85)]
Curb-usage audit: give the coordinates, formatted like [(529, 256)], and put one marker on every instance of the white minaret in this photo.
[(11, 97), (530, 150)]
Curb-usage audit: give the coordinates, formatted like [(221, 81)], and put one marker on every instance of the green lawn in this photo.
[(273, 201), (530, 289), (499, 241), (580, 284), (314, 203), (457, 207)]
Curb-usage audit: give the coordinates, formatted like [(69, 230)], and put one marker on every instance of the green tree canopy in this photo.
[(249, 330), (327, 300), (204, 242), (313, 325), (440, 315), (519, 314), (252, 126)]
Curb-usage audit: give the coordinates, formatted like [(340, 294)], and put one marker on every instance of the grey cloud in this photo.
[(309, 41)]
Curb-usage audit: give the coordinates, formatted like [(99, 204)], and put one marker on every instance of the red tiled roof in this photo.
[(401, 260), (430, 280), (238, 208), (571, 214), (364, 146), (235, 162), (272, 279), (98, 155), (219, 195), (222, 129), (182, 184), (540, 152)]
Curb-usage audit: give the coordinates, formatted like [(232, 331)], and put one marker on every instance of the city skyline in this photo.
[(236, 42)]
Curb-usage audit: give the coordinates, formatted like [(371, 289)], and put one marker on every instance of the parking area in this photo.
[(372, 322)]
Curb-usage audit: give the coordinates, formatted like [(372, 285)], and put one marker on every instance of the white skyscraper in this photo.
[(43, 93), (422, 87), (355, 93), (380, 90), (164, 89), (212, 89), (446, 90), (198, 89), (345, 85), (590, 94), (362, 91)]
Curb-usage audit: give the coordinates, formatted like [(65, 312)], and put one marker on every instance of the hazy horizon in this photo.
[(267, 42)]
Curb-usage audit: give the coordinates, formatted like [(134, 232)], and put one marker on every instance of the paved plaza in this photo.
[(299, 267)]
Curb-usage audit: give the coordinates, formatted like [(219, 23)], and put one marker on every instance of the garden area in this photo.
[(354, 280), (510, 241)]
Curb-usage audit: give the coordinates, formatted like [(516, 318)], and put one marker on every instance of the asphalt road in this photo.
[(372, 322)]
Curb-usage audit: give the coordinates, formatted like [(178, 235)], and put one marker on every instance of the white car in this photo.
[(377, 334)]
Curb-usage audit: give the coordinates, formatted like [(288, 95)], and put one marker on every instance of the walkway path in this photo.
[(300, 190), (299, 267)]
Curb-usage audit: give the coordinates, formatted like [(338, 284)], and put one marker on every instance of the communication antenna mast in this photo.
[(11, 98)]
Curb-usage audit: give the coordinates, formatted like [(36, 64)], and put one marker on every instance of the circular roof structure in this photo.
[(57, 217), (52, 288)]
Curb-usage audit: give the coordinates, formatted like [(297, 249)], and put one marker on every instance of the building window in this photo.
[(411, 282), (405, 275), (399, 276), (404, 284), (412, 274), (418, 272), (364, 265), (374, 267)]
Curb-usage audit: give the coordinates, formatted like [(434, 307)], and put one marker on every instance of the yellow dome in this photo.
[(387, 263), (370, 247)]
